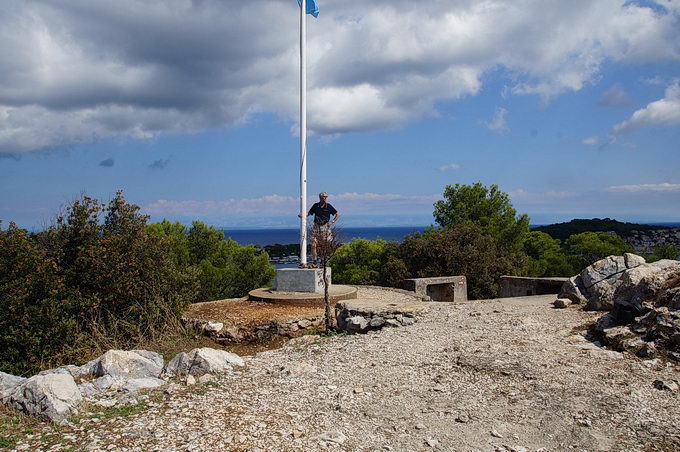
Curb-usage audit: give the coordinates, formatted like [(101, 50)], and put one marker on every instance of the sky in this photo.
[(191, 107)]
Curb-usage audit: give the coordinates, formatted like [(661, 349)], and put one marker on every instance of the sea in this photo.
[(264, 237)]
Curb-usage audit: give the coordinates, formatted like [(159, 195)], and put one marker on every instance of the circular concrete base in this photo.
[(336, 292)]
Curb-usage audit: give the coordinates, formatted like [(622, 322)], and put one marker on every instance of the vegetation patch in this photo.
[(101, 278)]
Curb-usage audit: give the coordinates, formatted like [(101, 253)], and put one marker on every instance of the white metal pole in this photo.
[(303, 133)]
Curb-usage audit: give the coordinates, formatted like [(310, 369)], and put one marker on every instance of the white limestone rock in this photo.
[(608, 268), (86, 369), (153, 356), (562, 303), (357, 324), (574, 290), (201, 361), (633, 260), (53, 397), (65, 370), (377, 322), (640, 284), (137, 384), (129, 364), (212, 328), (7, 384)]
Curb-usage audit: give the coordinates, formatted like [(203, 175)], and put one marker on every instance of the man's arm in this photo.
[(311, 211), (337, 215)]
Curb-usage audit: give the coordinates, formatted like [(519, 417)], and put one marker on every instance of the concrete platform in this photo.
[(270, 295), (301, 279)]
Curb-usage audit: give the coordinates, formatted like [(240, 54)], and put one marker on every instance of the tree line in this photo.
[(478, 234)]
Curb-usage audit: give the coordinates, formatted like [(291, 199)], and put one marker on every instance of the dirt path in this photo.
[(484, 376)]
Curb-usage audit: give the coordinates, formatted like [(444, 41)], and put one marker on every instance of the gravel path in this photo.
[(510, 374)]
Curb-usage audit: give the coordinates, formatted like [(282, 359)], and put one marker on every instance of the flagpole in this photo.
[(303, 133)]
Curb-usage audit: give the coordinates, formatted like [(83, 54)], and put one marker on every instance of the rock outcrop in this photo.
[(201, 361), (53, 397), (117, 376), (7, 384), (626, 277), (129, 364), (643, 299)]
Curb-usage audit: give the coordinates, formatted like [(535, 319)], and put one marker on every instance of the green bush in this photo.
[(459, 250), (664, 250), (358, 262), (588, 247), (545, 257), (97, 278), (38, 313), (223, 268)]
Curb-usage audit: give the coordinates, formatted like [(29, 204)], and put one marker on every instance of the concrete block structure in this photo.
[(522, 286), (301, 279), (442, 288)]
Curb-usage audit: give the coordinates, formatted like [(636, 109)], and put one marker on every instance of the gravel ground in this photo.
[(502, 375)]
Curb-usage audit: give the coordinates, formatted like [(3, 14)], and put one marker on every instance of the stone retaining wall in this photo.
[(364, 315), (232, 333)]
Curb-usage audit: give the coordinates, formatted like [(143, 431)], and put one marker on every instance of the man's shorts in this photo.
[(322, 231)]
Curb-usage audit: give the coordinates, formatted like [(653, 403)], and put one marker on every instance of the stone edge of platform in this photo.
[(300, 298)]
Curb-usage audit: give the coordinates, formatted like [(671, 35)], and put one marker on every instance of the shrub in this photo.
[(38, 313), (222, 267), (664, 250), (588, 247), (544, 256), (97, 278), (359, 262), (459, 250)]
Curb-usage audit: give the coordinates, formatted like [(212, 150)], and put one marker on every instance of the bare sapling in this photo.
[(325, 240)]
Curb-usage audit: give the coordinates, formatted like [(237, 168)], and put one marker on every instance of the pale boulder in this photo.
[(202, 361), (52, 397), (7, 384), (129, 364)]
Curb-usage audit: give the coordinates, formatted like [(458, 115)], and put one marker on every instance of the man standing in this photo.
[(322, 212)]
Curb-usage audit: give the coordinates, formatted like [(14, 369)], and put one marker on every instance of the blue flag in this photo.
[(311, 7)]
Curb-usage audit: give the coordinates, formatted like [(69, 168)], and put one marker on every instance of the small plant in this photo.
[(317, 331), (332, 333), (123, 410), (8, 441), (326, 239)]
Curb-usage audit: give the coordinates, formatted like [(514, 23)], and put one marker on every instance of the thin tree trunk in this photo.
[(326, 299)]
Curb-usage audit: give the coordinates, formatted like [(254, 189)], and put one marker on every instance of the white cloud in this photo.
[(282, 205), (591, 141), (522, 196), (498, 124), (645, 188), (663, 112), (80, 71), (451, 166)]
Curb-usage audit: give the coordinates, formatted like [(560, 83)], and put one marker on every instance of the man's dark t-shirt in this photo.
[(322, 215)]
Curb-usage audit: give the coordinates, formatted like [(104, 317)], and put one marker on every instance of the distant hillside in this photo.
[(642, 237), (562, 231)]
